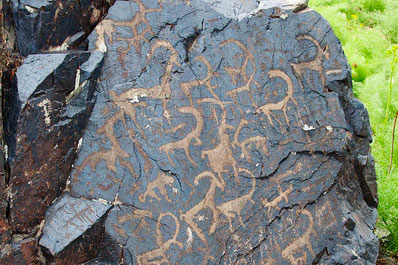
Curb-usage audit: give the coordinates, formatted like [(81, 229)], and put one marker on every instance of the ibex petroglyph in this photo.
[(232, 209), (207, 202), (193, 136), (280, 105), (158, 256)]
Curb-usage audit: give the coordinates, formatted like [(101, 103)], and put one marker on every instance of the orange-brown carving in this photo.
[(258, 141), (268, 261), (301, 244), (222, 156), (242, 72), (161, 91), (84, 214), (283, 196), (207, 202), (160, 183), (109, 156), (187, 86), (158, 256), (281, 105), (315, 64), (130, 109), (193, 136), (325, 215), (136, 214), (107, 27), (233, 208)]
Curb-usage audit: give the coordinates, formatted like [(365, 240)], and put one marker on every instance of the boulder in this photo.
[(47, 109), (43, 25), (217, 133)]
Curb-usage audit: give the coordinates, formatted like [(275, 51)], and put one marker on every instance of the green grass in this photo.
[(368, 29)]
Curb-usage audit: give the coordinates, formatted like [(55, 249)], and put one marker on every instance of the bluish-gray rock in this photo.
[(68, 219)]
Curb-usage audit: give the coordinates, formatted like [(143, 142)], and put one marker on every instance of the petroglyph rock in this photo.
[(222, 133)]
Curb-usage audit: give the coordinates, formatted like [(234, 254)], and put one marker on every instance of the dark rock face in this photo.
[(47, 109), (215, 138), (55, 25), (45, 121)]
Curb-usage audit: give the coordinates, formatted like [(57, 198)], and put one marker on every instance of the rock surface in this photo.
[(47, 111), (222, 133), (55, 25), (67, 219)]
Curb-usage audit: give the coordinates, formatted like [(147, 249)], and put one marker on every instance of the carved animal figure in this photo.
[(315, 64), (137, 214), (139, 26), (242, 72), (160, 183), (260, 142), (207, 202), (302, 243), (109, 156), (163, 90), (158, 256), (186, 87), (283, 196), (281, 105), (193, 136), (232, 209)]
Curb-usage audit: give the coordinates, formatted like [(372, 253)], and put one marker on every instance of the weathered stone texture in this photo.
[(60, 231), (55, 25), (45, 120), (218, 136)]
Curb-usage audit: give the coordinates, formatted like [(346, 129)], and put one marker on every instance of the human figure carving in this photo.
[(280, 105), (221, 156), (193, 136)]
